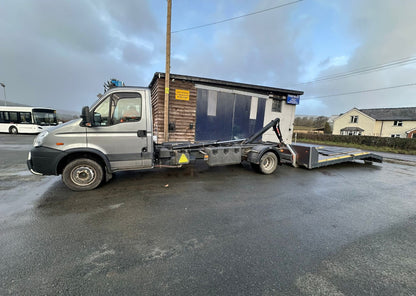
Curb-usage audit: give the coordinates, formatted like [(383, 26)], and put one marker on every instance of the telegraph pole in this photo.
[(4, 90), (167, 73)]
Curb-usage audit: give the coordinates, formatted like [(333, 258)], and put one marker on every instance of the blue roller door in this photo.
[(226, 116)]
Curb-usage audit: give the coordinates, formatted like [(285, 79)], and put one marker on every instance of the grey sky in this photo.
[(59, 53)]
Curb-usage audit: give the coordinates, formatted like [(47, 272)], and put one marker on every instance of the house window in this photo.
[(395, 136), (354, 119), (398, 123), (277, 105)]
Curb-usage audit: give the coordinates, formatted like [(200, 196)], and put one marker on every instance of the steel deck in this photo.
[(314, 157)]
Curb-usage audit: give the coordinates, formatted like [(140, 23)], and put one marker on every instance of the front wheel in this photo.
[(268, 163), (82, 174), (13, 130)]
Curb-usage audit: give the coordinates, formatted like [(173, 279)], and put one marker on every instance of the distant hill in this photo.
[(62, 115), (2, 103)]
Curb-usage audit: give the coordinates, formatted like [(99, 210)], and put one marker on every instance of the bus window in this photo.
[(25, 117), (13, 117), (3, 117)]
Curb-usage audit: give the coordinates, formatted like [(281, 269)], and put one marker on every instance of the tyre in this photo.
[(82, 174), (268, 163), (13, 130)]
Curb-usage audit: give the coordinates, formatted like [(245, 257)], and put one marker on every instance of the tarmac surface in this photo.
[(347, 229)]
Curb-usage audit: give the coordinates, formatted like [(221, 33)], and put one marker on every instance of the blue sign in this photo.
[(293, 100)]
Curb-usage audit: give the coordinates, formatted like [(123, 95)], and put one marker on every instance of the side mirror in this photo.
[(97, 119), (86, 116)]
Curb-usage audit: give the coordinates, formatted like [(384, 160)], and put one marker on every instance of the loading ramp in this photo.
[(318, 156)]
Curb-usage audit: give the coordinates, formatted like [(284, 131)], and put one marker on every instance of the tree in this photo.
[(320, 121), (327, 128)]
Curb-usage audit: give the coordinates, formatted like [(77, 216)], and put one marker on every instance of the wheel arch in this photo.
[(257, 152), (93, 154)]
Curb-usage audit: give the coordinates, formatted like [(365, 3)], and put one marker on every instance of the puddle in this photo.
[(19, 198), (16, 147)]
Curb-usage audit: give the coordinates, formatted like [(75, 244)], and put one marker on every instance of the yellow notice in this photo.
[(181, 94), (183, 159)]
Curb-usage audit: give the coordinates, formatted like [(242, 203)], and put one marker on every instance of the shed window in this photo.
[(253, 107), (398, 123), (277, 105), (212, 103)]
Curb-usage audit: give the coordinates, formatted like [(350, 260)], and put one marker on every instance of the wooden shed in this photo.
[(210, 109)]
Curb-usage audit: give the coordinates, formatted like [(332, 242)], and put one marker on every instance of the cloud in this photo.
[(256, 49), (384, 35), (59, 53)]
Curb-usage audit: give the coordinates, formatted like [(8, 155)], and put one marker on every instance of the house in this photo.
[(208, 109), (380, 122)]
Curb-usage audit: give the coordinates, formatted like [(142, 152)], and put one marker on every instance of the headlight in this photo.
[(39, 139)]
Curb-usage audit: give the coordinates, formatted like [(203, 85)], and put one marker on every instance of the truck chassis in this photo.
[(85, 171)]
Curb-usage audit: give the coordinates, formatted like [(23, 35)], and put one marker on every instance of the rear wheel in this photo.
[(82, 174), (268, 163), (13, 130)]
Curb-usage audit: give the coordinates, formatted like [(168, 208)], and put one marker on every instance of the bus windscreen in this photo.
[(44, 117)]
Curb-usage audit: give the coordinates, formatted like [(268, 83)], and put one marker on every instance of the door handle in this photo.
[(141, 133)]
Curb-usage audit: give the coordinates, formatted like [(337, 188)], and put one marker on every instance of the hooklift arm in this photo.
[(274, 123), (276, 128)]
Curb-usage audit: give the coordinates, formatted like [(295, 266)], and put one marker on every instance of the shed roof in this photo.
[(266, 90), (408, 113)]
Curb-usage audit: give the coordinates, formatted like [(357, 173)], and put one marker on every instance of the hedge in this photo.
[(394, 143)]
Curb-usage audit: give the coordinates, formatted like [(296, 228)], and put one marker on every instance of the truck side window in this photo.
[(128, 107), (101, 113)]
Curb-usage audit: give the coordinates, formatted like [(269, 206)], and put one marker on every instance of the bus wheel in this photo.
[(13, 130), (82, 174)]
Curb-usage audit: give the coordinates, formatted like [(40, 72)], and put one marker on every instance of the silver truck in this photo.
[(116, 134)]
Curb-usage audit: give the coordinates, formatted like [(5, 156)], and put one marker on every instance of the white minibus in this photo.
[(26, 120)]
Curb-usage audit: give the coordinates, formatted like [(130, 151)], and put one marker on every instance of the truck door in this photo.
[(119, 131)]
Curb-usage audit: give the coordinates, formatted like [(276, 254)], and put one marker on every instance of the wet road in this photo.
[(343, 230)]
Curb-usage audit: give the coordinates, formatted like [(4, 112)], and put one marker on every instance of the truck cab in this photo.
[(114, 134)]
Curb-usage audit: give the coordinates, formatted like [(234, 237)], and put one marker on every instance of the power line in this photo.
[(361, 91), (400, 62), (237, 17)]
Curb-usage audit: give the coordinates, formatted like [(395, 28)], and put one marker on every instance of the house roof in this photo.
[(228, 84), (405, 114)]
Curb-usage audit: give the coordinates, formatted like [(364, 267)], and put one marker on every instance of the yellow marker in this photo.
[(183, 159)]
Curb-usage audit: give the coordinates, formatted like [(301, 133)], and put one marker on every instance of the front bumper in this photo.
[(44, 161)]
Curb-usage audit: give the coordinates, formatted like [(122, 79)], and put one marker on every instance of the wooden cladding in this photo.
[(182, 113)]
